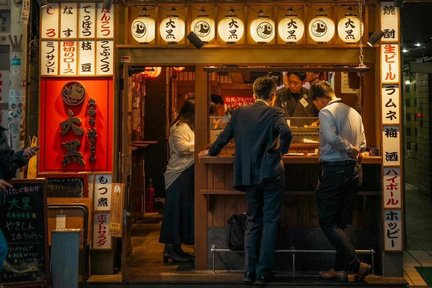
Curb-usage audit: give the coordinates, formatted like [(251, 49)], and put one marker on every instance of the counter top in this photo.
[(287, 159)]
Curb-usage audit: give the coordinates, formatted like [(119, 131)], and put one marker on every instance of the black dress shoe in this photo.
[(263, 279), (249, 278)]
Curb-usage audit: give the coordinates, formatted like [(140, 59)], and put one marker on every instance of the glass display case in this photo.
[(217, 124)]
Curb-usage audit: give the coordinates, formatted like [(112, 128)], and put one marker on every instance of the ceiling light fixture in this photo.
[(418, 44), (375, 37), (404, 50)]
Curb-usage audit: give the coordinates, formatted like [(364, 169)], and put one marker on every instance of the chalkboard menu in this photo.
[(23, 220), (67, 185)]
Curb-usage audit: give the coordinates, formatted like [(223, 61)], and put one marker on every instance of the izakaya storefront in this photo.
[(113, 80)]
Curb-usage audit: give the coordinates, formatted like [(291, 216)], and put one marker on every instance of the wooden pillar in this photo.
[(201, 132)]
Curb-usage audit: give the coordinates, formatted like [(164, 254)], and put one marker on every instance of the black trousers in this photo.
[(178, 218), (336, 194), (264, 208)]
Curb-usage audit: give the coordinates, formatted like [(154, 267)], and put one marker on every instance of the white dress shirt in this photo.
[(181, 148)]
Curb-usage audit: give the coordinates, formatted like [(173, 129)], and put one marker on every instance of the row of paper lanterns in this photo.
[(262, 29)]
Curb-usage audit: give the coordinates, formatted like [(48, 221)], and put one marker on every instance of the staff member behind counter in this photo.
[(294, 99)]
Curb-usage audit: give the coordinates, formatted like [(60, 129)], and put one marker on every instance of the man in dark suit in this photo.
[(261, 136)]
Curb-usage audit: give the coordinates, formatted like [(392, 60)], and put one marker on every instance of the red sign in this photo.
[(76, 134)]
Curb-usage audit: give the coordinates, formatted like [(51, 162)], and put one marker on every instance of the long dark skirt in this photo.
[(178, 219)]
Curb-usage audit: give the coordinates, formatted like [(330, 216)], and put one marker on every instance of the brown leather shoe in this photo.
[(334, 275), (364, 270)]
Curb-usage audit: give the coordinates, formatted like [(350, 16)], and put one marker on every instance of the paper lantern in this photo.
[(291, 29), (204, 27), (321, 29), (172, 29), (151, 72), (230, 28), (143, 29), (262, 29), (350, 29)]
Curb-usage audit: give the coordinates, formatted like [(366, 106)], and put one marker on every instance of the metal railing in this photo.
[(293, 251)]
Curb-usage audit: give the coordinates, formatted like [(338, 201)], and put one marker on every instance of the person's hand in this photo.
[(30, 151), (354, 153), (203, 153), (4, 184)]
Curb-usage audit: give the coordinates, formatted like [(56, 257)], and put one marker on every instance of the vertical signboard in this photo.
[(391, 129), (77, 39)]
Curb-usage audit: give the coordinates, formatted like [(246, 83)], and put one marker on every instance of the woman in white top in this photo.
[(178, 219)]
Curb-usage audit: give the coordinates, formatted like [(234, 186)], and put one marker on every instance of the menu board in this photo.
[(23, 220)]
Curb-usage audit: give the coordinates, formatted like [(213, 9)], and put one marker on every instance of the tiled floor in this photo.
[(418, 235)]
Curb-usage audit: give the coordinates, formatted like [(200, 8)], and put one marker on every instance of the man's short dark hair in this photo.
[(216, 99), (301, 75), (263, 87), (320, 89)]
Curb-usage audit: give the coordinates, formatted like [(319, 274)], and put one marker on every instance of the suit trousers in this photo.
[(263, 212), (336, 194)]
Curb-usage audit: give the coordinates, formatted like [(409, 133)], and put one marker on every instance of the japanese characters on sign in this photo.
[(101, 235), (68, 23), (102, 192), (391, 146), (390, 63), (392, 188), (104, 57), (49, 58), (50, 21), (116, 220), (390, 104), (391, 129), (393, 230), (70, 34), (389, 26), (350, 29)]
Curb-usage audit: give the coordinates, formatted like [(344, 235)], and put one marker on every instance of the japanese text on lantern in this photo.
[(392, 230), (390, 104), (76, 29)]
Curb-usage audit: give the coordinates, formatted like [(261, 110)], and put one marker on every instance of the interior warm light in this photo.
[(407, 82), (179, 69), (151, 72)]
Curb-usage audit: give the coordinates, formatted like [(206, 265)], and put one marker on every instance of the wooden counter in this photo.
[(287, 159)]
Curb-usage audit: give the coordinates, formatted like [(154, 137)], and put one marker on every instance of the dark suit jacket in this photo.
[(257, 130)]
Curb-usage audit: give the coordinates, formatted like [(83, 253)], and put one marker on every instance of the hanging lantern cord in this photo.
[(360, 9)]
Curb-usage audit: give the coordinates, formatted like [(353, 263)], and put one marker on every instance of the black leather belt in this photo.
[(338, 163)]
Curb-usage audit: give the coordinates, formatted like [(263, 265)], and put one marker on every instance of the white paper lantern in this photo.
[(350, 29), (230, 29), (291, 29), (262, 29), (143, 29), (204, 27), (321, 29), (172, 29)]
